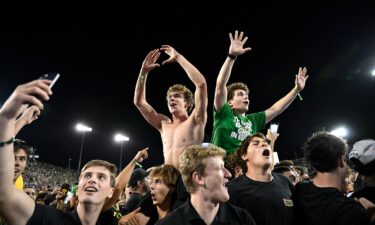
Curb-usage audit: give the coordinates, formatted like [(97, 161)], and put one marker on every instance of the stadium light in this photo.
[(83, 129), (121, 138), (340, 132)]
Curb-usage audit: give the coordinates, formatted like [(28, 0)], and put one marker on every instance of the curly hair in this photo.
[(232, 161), (188, 95), (236, 86), (193, 160), (323, 150)]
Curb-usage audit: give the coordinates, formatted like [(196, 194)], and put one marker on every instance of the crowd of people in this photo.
[(42, 175), (233, 180)]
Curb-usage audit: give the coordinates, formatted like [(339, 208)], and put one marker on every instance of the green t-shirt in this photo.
[(230, 129)]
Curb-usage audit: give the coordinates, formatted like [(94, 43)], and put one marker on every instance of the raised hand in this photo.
[(272, 136), (236, 44), (169, 50), (149, 63), (301, 78), (26, 94), (141, 155), (30, 114)]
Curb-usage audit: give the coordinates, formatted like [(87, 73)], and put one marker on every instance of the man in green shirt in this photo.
[(231, 123)]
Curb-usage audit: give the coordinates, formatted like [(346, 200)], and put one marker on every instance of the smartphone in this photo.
[(274, 127), (51, 76)]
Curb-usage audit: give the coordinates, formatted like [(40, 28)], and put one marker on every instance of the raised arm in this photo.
[(147, 111), (236, 48), (123, 178), (200, 95), (28, 116), (284, 102), (15, 206), (273, 137)]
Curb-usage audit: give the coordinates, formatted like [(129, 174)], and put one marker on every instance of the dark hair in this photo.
[(109, 166), (282, 169), (301, 170), (286, 162), (21, 144), (323, 150), (236, 86), (233, 160), (242, 150)]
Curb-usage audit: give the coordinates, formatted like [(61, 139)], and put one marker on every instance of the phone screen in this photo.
[(51, 76)]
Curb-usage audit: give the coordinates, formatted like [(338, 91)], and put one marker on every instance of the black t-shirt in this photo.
[(326, 206), (148, 209), (227, 214), (109, 217), (133, 202), (46, 215), (366, 192), (181, 193), (268, 203)]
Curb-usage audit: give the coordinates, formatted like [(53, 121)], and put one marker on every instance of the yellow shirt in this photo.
[(19, 183)]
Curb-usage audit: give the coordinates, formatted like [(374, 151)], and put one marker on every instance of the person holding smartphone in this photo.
[(232, 124), (32, 113), (96, 181)]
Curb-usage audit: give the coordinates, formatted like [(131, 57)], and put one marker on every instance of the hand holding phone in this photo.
[(51, 76)]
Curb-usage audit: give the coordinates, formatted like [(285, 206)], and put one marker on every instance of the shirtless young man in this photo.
[(182, 129)]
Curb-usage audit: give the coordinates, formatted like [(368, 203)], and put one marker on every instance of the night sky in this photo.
[(99, 51)]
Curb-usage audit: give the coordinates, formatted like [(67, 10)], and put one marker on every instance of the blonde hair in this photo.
[(193, 160)]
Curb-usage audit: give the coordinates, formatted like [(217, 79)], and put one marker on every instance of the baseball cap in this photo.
[(137, 175), (362, 157)]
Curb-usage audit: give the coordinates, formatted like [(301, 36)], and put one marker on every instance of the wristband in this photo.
[(232, 56), (137, 163), (299, 96), (8, 142)]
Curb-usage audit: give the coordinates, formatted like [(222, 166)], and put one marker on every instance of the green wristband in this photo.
[(137, 163), (299, 96)]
